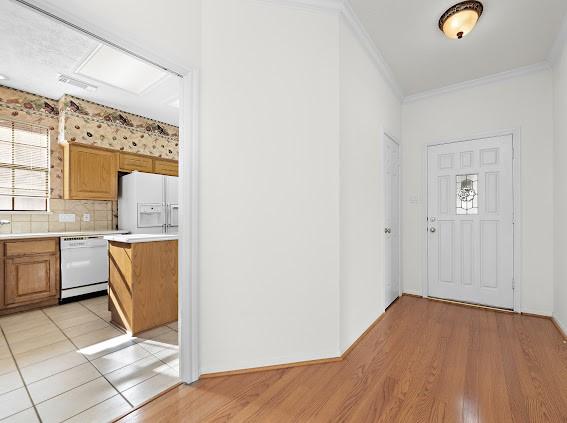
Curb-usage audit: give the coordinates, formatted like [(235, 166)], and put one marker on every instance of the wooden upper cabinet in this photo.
[(90, 173), (132, 162), (31, 278), (166, 167)]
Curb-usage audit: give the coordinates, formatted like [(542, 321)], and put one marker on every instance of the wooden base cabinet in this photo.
[(29, 274), (30, 279), (143, 284)]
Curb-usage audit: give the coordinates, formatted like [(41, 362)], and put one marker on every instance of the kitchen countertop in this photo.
[(136, 238), (5, 237)]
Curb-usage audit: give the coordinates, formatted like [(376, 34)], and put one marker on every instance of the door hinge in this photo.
[(513, 284)]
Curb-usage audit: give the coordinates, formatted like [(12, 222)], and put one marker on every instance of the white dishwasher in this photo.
[(84, 265)]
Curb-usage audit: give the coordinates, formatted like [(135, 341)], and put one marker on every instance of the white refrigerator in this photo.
[(148, 203)]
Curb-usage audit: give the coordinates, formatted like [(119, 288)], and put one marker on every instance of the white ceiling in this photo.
[(510, 34), (35, 49)]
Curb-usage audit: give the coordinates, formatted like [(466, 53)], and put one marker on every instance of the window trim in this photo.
[(48, 198)]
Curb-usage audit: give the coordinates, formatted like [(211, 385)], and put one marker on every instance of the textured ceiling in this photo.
[(35, 49)]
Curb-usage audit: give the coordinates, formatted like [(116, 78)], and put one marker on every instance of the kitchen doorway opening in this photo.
[(122, 139)]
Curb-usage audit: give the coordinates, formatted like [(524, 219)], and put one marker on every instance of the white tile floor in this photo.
[(68, 363)]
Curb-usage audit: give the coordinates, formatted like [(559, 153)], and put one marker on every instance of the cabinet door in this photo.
[(2, 283), (90, 173), (30, 279), (131, 162), (166, 167)]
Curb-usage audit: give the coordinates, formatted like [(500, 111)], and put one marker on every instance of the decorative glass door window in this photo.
[(467, 194)]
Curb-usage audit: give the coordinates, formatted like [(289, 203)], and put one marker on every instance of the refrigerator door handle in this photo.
[(169, 214)]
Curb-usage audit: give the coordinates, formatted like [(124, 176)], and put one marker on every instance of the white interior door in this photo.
[(470, 240), (392, 220)]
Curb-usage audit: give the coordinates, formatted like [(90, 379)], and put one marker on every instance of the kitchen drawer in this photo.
[(166, 167), (30, 247), (131, 162)]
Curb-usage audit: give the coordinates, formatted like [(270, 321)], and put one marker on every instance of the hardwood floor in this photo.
[(425, 361)]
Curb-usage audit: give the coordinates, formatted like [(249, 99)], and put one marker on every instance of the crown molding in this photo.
[(328, 5), (344, 9), (350, 17), (557, 48), (514, 73)]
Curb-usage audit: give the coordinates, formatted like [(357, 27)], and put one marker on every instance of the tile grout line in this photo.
[(50, 319), (150, 354), (135, 343), (109, 322), (47, 345), (86, 409), (90, 362), (78, 350), (21, 377)]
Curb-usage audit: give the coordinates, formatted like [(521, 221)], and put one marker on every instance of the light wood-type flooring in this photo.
[(425, 361)]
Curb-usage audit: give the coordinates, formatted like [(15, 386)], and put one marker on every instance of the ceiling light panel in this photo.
[(120, 70)]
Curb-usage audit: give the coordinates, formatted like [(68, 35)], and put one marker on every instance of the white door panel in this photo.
[(392, 220), (171, 189), (470, 221), (149, 188)]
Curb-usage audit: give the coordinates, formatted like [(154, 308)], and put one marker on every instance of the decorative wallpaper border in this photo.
[(29, 103), (89, 123), (78, 107), (72, 119)]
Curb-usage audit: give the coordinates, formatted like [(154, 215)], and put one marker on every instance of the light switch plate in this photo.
[(66, 218), (86, 217)]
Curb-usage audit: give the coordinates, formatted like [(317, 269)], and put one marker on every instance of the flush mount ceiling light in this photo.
[(460, 19), (118, 69)]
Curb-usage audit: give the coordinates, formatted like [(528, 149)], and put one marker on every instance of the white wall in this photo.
[(368, 108), (281, 213), (269, 187), (523, 102), (560, 175)]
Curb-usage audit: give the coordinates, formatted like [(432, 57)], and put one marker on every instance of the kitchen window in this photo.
[(24, 167)]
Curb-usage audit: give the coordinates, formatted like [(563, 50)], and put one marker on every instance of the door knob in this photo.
[(432, 230)]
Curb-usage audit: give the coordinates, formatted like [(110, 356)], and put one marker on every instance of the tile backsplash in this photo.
[(103, 217)]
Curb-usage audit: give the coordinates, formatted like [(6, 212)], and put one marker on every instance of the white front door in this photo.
[(470, 245), (392, 220)]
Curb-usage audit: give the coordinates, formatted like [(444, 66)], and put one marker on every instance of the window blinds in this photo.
[(24, 166)]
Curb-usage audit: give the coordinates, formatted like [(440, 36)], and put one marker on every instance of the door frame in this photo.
[(385, 136), (189, 118), (517, 221)]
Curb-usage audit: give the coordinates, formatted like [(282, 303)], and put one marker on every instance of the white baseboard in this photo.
[(560, 325), (536, 312), (412, 292)]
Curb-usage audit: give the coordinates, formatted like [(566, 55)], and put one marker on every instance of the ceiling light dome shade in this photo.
[(460, 19)]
